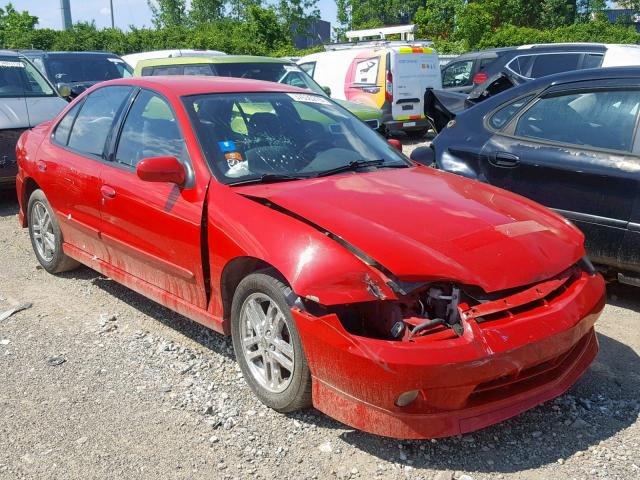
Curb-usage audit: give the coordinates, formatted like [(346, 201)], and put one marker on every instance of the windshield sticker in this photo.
[(227, 146), (115, 60), (292, 68), (303, 97), (233, 158), (6, 63)]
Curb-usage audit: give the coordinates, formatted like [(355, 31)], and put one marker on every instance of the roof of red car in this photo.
[(192, 85)]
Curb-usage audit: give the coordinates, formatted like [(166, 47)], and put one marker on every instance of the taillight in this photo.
[(388, 89), (480, 78)]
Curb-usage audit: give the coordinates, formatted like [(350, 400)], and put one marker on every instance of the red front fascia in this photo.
[(490, 373)]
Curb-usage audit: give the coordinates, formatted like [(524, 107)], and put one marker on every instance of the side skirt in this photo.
[(148, 290)]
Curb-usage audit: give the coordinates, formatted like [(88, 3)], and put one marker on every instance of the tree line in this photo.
[(257, 27)]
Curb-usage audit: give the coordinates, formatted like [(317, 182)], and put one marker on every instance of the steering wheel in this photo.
[(314, 144)]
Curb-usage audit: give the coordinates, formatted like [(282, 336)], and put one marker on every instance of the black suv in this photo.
[(78, 70), (475, 72)]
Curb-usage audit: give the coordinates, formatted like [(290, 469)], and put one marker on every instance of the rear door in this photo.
[(413, 69), (71, 163), (572, 149), (152, 230)]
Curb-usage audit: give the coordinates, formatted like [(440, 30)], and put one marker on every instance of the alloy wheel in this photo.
[(42, 230), (266, 342)]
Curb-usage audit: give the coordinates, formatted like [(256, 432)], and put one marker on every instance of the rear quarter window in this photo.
[(503, 116)]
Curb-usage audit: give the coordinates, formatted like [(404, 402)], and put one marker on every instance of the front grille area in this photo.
[(529, 378), (495, 319)]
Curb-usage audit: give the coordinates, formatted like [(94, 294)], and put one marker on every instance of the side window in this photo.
[(150, 130), (367, 71), (521, 65), (554, 63), (96, 117), (197, 70), (146, 71), (308, 68), (294, 79), (500, 118), (61, 134), (592, 60), (600, 119), (457, 74)]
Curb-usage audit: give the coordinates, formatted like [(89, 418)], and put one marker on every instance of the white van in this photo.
[(390, 75)]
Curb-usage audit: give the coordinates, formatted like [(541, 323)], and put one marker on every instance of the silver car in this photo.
[(26, 99)]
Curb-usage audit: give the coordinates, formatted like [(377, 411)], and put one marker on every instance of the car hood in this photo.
[(425, 225), (363, 112)]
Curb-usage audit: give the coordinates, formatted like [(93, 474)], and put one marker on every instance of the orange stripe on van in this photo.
[(415, 50)]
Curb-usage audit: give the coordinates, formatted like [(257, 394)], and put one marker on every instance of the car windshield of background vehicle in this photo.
[(252, 135), (457, 74), (18, 78), (600, 119), (288, 74), (86, 68)]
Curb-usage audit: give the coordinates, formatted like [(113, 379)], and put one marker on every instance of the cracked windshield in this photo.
[(256, 137)]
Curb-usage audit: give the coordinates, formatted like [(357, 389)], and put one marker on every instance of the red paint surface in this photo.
[(422, 225)]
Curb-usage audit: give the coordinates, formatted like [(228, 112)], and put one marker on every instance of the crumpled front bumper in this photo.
[(494, 371)]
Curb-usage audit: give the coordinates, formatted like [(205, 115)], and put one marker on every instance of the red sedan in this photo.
[(395, 298)]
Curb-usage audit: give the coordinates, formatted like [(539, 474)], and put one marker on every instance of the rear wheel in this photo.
[(267, 344), (45, 234)]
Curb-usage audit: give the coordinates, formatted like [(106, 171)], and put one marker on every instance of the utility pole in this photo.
[(113, 23), (65, 10)]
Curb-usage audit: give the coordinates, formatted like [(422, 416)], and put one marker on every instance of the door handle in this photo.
[(107, 191), (504, 160)]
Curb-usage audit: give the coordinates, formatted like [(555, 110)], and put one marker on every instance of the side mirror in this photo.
[(395, 144), (64, 90), (424, 155), (162, 169), (327, 90)]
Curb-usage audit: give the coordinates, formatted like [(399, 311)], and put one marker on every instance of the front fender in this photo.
[(316, 267)]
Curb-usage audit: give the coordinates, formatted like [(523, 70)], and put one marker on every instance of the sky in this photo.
[(127, 12)]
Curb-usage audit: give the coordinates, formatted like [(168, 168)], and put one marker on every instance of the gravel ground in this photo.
[(98, 382)]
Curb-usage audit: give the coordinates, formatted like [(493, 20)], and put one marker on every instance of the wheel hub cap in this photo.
[(266, 342), (42, 229)]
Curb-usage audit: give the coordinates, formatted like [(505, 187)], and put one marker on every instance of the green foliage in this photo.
[(298, 14), (596, 31), (204, 11), (255, 27), (168, 13), (12, 26)]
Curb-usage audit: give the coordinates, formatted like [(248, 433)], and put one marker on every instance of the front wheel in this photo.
[(267, 344), (45, 234)]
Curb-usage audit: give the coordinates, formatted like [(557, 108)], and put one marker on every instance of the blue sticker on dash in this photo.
[(227, 146)]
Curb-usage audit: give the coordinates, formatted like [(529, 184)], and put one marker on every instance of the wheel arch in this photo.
[(29, 186), (234, 271)]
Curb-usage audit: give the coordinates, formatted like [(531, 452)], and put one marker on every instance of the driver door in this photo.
[(569, 150), (152, 231)]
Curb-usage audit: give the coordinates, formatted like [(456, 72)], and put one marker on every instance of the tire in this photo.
[(45, 235), (417, 134), (262, 355)]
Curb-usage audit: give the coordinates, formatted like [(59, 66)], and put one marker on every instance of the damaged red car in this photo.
[(398, 299)]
